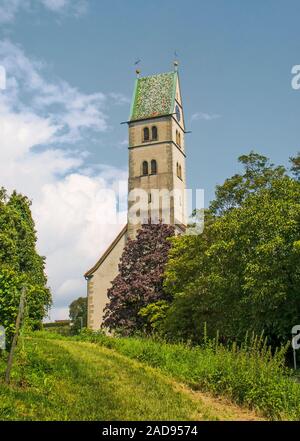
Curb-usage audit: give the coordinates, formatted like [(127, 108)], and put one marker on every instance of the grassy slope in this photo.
[(250, 376), (69, 380)]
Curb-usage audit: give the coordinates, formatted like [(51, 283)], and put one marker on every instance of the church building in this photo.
[(156, 162)]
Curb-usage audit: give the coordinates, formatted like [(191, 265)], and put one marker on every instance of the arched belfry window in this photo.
[(154, 133), (153, 167), (179, 172), (178, 138), (145, 168), (146, 134)]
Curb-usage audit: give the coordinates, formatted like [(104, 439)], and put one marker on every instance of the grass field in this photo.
[(250, 374), (61, 379)]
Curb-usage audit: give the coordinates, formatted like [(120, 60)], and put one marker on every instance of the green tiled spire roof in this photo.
[(153, 96)]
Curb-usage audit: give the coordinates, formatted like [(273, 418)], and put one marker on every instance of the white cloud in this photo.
[(73, 205), (61, 313), (123, 143), (74, 7), (10, 8), (204, 116), (55, 5), (119, 98), (68, 110), (72, 220)]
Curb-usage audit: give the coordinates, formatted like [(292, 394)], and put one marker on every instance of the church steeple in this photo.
[(156, 144), (156, 164), (153, 96)]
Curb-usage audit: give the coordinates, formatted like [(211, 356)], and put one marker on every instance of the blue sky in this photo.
[(235, 68), (235, 56)]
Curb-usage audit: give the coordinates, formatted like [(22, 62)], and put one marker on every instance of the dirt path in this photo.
[(71, 380), (203, 405)]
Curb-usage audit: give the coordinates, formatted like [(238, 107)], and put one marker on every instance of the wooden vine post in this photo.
[(15, 339)]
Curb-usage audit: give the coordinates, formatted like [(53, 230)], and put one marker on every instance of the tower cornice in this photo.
[(151, 144), (170, 115)]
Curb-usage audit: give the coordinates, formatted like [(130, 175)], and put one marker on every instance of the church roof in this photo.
[(91, 271), (153, 96)]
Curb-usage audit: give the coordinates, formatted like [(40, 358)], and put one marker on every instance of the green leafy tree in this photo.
[(295, 166), (243, 272), (154, 315), (78, 314), (259, 173), (20, 264)]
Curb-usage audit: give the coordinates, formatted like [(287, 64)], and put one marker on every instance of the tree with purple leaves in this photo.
[(140, 279)]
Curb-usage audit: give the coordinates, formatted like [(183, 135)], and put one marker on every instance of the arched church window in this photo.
[(178, 170), (154, 133), (145, 168), (176, 136), (153, 167), (146, 133), (179, 139)]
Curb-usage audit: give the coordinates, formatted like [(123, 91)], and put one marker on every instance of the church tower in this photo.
[(156, 168), (157, 149)]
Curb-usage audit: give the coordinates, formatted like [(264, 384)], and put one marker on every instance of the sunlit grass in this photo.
[(69, 380), (250, 375)]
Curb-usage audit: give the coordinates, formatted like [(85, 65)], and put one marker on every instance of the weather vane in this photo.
[(175, 62), (137, 70)]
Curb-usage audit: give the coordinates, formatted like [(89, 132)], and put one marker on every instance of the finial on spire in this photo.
[(137, 70), (176, 62)]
